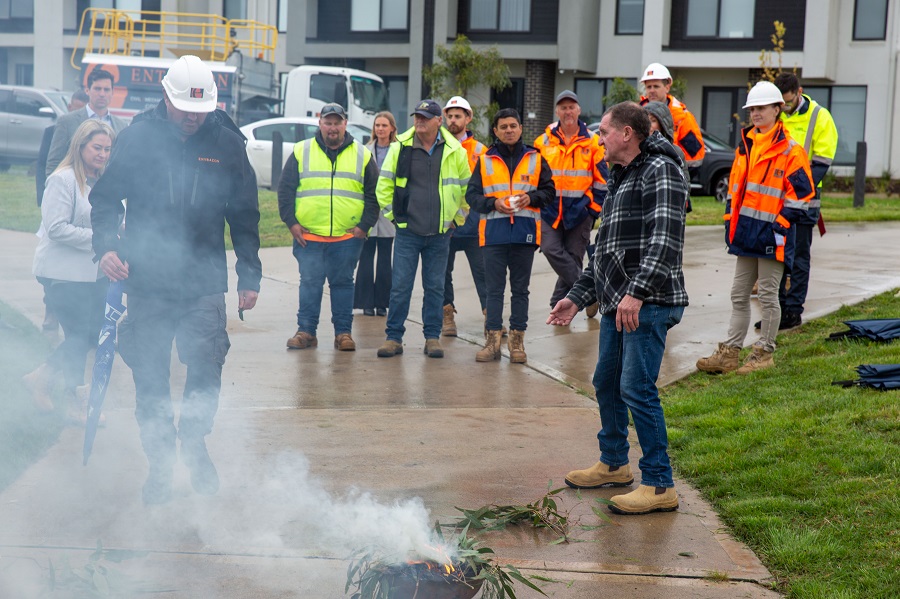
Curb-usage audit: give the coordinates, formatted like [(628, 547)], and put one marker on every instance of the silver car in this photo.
[(25, 112)]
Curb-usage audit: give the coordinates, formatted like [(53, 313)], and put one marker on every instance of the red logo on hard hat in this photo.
[(649, 72), (197, 92)]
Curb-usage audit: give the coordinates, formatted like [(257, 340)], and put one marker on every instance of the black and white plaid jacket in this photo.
[(639, 246)]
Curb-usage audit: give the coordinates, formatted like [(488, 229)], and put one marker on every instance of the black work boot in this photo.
[(204, 477), (158, 488)]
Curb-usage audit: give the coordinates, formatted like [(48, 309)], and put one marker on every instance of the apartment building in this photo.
[(845, 51)]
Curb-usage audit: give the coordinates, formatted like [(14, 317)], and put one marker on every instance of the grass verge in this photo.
[(835, 208), (25, 433), (804, 472)]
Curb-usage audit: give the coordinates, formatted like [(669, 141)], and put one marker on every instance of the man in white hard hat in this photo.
[(657, 82), (184, 175), (464, 238)]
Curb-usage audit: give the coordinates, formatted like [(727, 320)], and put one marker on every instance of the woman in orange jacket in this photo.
[(769, 188)]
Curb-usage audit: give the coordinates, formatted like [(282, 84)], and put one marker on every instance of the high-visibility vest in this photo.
[(474, 149), (687, 133), (330, 197), (575, 174), (815, 129), (775, 188), (523, 226)]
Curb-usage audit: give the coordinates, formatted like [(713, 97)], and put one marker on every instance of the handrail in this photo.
[(153, 33)]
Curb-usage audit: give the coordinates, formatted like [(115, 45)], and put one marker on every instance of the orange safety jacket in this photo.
[(766, 195), (687, 132), (579, 175), (473, 148), (466, 222), (523, 226)]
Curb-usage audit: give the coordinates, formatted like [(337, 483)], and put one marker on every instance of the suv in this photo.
[(24, 114)]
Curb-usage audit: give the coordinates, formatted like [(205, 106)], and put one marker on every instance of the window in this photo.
[(847, 105), (500, 15), (397, 97), (25, 74), (27, 104), (328, 88), (590, 96), (282, 16), (234, 9), (16, 9), (287, 130), (870, 20), (720, 18), (630, 17), (379, 15)]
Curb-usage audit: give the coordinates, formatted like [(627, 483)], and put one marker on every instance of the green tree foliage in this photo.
[(460, 68), (620, 91)]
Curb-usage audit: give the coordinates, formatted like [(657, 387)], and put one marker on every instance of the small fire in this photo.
[(441, 563)]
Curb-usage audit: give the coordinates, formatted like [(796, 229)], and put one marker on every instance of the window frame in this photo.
[(828, 91), (381, 27), (883, 37), (717, 36), (618, 10), (497, 28)]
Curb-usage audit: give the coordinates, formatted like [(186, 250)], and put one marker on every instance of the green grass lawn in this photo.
[(835, 208), (806, 473), (25, 432)]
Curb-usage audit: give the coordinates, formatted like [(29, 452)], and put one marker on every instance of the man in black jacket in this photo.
[(184, 175)]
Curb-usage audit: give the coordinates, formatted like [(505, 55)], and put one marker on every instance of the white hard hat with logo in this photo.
[(764, 93), (190, 85), (655, 70), (458, 102)]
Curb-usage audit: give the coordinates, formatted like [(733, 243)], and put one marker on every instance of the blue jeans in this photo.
[(335, 261), (434, 250), (625, 379)]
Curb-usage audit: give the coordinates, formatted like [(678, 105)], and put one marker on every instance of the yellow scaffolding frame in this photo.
[(138, 33)]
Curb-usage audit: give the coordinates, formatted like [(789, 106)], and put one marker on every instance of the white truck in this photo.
[(310, 87)]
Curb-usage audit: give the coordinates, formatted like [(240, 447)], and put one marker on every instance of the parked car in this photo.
[(24, 114), (292, 129)]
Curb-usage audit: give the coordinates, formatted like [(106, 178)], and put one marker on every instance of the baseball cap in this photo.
[(428, 109), (458, 102), (333, 108), (566, 95)]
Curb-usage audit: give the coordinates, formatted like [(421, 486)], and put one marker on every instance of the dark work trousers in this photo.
[(145, 343), (470, 246), (518, 259), (564, 249), (373, 275), (792, 300), (80, 308)]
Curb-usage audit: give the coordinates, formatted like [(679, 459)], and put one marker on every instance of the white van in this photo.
[(310, 87)]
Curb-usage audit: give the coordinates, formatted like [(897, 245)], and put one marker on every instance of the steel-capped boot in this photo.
[(600, 475), (448, 328), (204, 477), (433, 348), (491, 349), (344, 342), (645, 500), (516, 345), (726, 358), (302, 340), (759, 359)]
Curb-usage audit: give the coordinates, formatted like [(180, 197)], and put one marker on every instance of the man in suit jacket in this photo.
[(79, 100), (100, 91)]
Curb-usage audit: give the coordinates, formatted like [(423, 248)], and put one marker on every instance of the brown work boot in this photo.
[(491, 350), (344, 342), (724, 359), (759, 359), (516, 345), (433, 348), (448, 328), (592, 310), (644, 500), (302, 340), (38, 383), (503, 331), (600, 475), (390, 348)]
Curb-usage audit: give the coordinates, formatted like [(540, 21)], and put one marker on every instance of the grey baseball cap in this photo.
[(566, 94)]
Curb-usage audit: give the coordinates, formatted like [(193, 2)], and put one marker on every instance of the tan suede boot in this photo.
[(516, 344), (448, 328), (724, 359), (600, 475), (759, 359), (491, 350), (644, 500)]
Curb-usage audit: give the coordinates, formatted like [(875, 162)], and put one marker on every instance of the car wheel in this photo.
[(720, 187)]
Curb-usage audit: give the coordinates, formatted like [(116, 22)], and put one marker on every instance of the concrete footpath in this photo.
[(298, 431)]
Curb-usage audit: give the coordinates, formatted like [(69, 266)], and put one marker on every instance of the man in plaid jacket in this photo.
[(636, 275)]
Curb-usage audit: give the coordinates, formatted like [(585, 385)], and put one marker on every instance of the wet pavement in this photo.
[(298, 431)]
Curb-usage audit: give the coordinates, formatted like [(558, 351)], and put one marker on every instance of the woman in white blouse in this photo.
[(63, 263)]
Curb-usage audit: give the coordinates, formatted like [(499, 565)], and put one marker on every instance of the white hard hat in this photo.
[(458, 102), (190, 85), (655, 70), (763, 94)]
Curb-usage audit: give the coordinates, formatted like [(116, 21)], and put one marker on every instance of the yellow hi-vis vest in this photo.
[(330, 196)]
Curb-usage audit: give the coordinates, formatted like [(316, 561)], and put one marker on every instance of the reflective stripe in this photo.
[(454, 181), (570, 193), (387, 174), (822, 159), (815, 203), (447, 224), (488, 167), (791, 144), (807, 144), (600, 186), (524, 187), (545, 139), (772, 192), (388, 208), (489, 189), (796, 204), (338, 193), (571, 173), (522, 213), (758, 214)]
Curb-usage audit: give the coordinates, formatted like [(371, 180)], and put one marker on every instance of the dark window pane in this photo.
[(630, 17), (702, 18), (737, 18), (394, 14), (483, 14), (328, 88), (515, 15), (870, 20)]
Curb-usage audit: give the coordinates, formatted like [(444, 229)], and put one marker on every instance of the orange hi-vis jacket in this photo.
[(770, 187), (523, 226), (579, 175), (466, 224), (687, 132), (473, 148)]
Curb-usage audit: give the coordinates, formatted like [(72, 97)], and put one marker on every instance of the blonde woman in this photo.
[(63, 263)]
